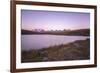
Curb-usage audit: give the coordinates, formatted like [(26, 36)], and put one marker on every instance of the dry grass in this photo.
[(78, 50)]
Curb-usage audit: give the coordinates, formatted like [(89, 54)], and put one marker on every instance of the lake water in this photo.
[(42, 41)]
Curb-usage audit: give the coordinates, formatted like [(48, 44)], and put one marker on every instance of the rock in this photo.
[(45, 59)]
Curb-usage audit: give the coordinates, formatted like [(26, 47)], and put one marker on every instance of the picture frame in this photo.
[(16, 23)]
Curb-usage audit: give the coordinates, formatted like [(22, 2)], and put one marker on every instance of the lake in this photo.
[(29, 42)]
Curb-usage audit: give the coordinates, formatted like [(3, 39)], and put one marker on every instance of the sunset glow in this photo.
[(52, 20)]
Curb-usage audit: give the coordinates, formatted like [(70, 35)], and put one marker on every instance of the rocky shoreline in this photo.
[(78, 50)]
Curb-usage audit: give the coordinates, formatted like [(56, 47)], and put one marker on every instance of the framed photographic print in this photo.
[(52, 36)]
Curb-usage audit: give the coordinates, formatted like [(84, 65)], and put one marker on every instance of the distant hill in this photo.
[(23, 31), (79, 32), (85, 32)]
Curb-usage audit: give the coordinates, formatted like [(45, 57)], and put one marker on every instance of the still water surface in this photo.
[(29, 42)]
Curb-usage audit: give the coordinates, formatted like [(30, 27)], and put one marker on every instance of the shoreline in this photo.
[(78, 32), (56, 34), (78, 50)]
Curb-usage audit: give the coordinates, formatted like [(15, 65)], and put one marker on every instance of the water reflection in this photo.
[(42, 41)]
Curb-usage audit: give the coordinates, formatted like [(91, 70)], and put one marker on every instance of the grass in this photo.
[(78, 50)]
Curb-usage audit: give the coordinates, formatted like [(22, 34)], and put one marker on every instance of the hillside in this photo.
[(79, 32)]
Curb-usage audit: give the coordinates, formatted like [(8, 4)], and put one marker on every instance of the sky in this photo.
[(54, 20)]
